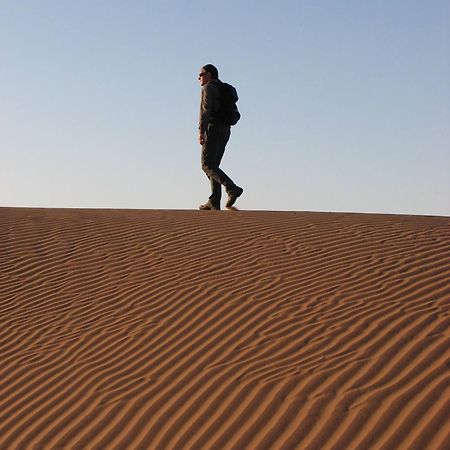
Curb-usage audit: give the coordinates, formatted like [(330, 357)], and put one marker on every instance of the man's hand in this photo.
[(201, 138)]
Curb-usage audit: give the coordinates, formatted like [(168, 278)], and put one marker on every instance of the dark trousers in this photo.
[(213, 149)]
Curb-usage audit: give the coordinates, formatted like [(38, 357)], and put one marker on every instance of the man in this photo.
[(213, 137)]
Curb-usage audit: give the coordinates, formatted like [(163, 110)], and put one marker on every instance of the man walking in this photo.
[(213, 137)]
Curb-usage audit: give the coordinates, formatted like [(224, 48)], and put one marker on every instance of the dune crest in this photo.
[(220, 329)]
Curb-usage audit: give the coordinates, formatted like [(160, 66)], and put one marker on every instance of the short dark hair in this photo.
[(212, 70)]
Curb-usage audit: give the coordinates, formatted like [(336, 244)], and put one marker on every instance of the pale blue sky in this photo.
[(345, 104)]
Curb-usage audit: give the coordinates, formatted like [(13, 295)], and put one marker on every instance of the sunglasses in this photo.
[(201, 74)]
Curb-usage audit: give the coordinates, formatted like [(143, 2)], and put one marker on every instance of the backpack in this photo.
[(228, 111)]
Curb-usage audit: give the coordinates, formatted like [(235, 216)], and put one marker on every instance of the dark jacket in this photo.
[(209, 105)]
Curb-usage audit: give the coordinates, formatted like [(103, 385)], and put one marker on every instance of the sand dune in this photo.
[(221, 329)]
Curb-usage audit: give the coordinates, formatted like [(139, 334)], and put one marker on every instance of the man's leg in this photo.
[(217, 137), (212, 152), (216, 187), (232, 189), (216, 192)]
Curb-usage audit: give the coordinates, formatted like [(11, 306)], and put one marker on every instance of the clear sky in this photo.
[(345, 104)]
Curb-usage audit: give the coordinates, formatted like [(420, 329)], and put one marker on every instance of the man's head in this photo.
[(208, 73)]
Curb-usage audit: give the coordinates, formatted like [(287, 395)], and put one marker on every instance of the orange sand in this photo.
[(221, 329)]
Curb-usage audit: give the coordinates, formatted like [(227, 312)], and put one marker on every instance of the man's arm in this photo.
[(206, 111)]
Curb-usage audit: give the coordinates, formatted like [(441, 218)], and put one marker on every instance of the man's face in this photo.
[(204, 77)]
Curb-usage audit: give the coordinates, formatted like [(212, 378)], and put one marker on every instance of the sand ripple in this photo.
[(220, 330)]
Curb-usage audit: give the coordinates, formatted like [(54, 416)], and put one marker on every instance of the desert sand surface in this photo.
[(166, 329)]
